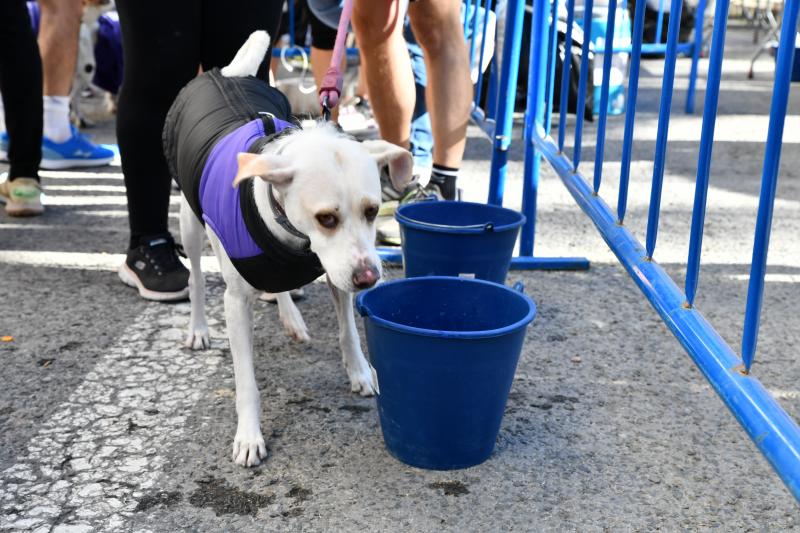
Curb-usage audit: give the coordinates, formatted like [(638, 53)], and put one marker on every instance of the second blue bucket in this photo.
[(445, 351), (462, 239)]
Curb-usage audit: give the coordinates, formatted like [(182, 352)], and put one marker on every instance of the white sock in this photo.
[(56, 118)]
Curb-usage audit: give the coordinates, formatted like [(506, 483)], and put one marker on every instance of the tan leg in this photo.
[(387, 67), (58, 43), (437, 27)]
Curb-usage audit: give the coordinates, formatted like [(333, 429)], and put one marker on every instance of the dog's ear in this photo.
[(398, 160), (275, 169)]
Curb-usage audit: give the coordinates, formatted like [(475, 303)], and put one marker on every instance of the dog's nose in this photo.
[(365, 277)]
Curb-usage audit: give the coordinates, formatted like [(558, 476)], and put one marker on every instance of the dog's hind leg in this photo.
[(292, 320), (355, 364), (192, 234), (249, 56)]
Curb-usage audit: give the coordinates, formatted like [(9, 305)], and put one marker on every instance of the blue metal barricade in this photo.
[(774, 432)]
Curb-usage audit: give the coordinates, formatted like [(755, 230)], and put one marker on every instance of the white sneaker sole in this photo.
[(17, 209), (129, 278), (63, 164)]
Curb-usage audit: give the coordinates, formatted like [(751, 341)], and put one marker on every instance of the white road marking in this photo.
[(87, 466)]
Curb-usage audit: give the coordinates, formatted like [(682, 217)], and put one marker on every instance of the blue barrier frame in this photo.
[(772, 430)]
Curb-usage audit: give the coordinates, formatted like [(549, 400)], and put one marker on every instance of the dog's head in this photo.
[(330, 189)]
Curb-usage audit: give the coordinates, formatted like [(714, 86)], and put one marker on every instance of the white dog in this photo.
[(307, 198)]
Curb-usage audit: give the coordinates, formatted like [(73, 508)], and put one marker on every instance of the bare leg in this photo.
[(58, 43), (437, 27), (320, 61), (387, 67)]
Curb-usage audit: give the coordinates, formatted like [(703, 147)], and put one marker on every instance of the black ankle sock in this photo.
[(445, 178)]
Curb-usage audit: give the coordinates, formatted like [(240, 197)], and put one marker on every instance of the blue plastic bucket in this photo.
[(444, 351), (458, 239)]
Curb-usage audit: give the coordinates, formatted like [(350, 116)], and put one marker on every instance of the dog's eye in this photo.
[(371, 212), (327, 220)]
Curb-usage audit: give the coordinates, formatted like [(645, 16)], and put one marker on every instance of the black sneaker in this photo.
[(155, 270)]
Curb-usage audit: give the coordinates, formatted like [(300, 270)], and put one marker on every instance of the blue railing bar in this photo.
[(660, 158), (630, 115), (491, 93), (391, 256), (773, 431), (534, 116), (564, 99), (706, 146), (697, 46), (293, 51), (654, 48), (507, 93), (473, 37), (660, 21), (769, 180), (549, 263), (551, 66), (599, 154), (487, 125), (580, 104), (487, 9)]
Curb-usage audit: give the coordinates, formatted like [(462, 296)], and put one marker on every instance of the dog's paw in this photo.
[(295, 326), (363, 383), (249, 448), (198, 339)]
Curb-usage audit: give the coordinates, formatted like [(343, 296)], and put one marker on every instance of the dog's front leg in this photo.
[(248, 445), (356, 365)]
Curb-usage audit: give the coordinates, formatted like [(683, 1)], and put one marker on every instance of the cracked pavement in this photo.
[(108, 424)]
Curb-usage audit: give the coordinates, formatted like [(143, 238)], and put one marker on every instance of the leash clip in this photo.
[(326, 110)]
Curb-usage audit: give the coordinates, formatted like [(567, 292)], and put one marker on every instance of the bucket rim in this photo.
[(404, 220), (479, 334)]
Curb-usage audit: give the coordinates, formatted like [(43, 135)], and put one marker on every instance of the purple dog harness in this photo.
[(214, 119)]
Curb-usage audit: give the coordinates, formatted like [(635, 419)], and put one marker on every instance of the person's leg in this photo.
[(58, 43), (161, 54), (59, 29), (161, 50), (323, 39), (437, 27), (421, 139), (379, 31), (20, 83), (226, 26)]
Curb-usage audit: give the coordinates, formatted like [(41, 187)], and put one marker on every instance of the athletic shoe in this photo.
[(356, 118), (4, 146), (77, 151), (23, 197), (156, 271), (387, 228)]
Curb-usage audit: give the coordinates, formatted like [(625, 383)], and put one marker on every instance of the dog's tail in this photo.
[(249, 56)]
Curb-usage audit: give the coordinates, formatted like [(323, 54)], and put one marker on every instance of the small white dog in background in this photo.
[(314, 189)]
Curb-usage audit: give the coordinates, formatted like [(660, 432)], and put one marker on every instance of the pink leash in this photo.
[(332, 83)]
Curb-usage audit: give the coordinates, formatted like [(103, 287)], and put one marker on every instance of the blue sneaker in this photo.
[(77, 151), (4, 146)]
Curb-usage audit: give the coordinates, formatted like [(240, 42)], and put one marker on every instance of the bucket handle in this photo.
[(488, 226), (519, 287)]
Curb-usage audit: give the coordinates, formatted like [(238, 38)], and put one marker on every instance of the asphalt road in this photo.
[(108, 424)]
